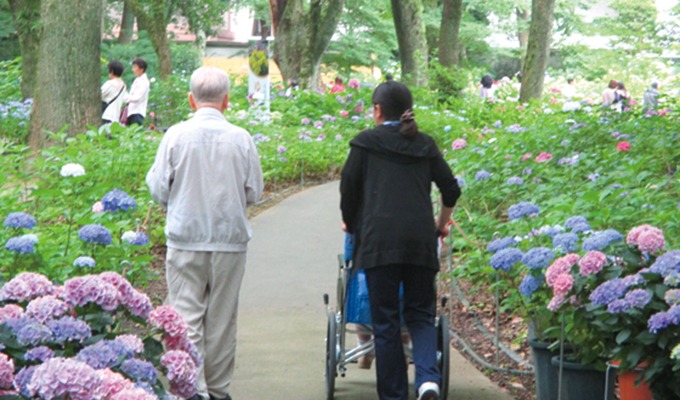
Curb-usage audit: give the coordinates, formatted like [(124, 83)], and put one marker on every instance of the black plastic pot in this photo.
[(583, 382), (546, 374)]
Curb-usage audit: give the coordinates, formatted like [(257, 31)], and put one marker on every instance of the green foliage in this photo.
[(634, 25), (446, 83)]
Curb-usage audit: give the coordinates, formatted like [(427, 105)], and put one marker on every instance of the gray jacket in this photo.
[(205, 174)]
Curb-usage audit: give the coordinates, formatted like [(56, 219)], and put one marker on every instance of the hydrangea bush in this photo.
[(94, 337)]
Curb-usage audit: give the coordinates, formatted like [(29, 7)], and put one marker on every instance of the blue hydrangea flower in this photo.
[(661, 320), (565, 242), (515, 180), (608, 291), (522, 209), (104, 354), (638, 298), (538, 257), (461, 181), (41, 353), (136, 238), (482, 174), (666, 263), (633, 280), (23, 378), (551, 230), (530, 284), (68, 329), (618, 306), (118, 200), (579, 228), (29, 331), (527, 171), (506, 258), (600, 240), (19, 220), (571, 222), (500, 244), (21, 244), (96, 234), (139, 370), (84, 262)]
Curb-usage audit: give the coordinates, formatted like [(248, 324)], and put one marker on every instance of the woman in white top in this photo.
[(113, 92), (139, 94)]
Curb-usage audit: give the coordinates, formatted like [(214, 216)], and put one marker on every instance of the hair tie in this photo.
[(407, 116)]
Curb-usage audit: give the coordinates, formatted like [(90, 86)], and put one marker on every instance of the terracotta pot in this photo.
[(628, 390)]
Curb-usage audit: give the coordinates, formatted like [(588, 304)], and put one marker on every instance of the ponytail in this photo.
[(408, 128)]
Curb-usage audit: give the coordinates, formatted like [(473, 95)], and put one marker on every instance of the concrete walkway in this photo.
[(292, 261)]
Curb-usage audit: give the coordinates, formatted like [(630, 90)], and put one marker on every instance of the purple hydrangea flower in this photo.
[(565, 242), (21, 244), (538, 257), (69, 329), (593, 177), (118, 200), (571, 222), (29, 331), (579, 228), (139, 370), (515, 180), (461, 181), (618, 306), (64, 378), (281, 149), (104, 354), (662, 320), (515, 128), (600, 240), (506, 258), (482, 174), (22, 379), (666, 263), (84, 262), (527, 171), (95, 234), (551, 231), (41, 354), (136, 238), (638, 298), (608, 291), (19, 220), (500, 244), (633, 280), (522, 209), (530, 284)]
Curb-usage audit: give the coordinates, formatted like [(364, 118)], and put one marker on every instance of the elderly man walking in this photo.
[(206, 172)]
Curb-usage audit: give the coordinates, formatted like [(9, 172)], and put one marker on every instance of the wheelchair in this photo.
[(339, 356)]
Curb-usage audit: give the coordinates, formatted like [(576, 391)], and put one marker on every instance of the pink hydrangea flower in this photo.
[(560, 266), (632, 237), (25, 287), (556, 302), (592, 263), (353, 83), (46, 307), (563, 284), (133, 342), (185, 344), (62, 377), (139, 304), (6, 372), (134, 393), (181, 372), (91, 289), (359, 109), (651, 241), (459, 144), (10, 311), (527, 156), (166, 318), (543, 157), (112, 383), (98, 207), (623, 146), (344, 113)]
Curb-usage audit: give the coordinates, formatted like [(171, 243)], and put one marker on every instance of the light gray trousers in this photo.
[(204, 288)]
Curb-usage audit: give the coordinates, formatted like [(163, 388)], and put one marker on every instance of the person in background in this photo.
[(622, 97), (650, 99), (338, 87), (138, 97), (113, 92), (293, 87), (385, 202), (487, 87), (609, 94), (206, 172), (569, 91)]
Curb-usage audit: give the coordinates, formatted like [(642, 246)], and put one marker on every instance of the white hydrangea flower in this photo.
[(129, 236), (72, 170), (32, 237)]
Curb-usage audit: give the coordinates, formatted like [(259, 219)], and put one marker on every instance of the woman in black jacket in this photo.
[(385, 201)]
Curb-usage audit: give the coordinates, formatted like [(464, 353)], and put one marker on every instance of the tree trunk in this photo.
[(410, 27), (153, 16), (302, 36), (538, 49), (26, 16), (67, 91), (449, 42), (127, 24)]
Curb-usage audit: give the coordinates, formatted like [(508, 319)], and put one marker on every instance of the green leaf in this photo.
[(623, 336)]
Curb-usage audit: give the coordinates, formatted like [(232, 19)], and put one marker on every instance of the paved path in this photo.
[(292, 261)]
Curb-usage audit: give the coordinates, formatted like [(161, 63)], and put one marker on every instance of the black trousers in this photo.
[(135, 119), (419, 313)]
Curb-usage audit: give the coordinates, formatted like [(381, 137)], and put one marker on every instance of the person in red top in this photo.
[(339, 86)]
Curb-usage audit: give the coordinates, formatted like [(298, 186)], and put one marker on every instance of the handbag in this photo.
[(123, 116), (105, 105)]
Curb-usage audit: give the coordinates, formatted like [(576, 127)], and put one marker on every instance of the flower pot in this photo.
[(628, 390), (545, 373), (583, 382)]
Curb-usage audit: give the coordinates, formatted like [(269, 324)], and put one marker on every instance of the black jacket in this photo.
[(385, 197)]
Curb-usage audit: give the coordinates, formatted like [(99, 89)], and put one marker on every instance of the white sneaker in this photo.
[(428, 391)]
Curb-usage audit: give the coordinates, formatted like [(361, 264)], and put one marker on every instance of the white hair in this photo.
[(209, 85)]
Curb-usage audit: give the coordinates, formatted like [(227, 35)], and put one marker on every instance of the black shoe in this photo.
[(217, 398), (197, 397)]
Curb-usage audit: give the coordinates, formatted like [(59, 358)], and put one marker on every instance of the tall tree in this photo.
[(449, 34), (303, 33), (410, 27), (538, 49), (127, 24), (26, 17), (67, 91)]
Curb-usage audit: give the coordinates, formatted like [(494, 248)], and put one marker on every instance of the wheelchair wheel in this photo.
[(331, 355), (443, 351)]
